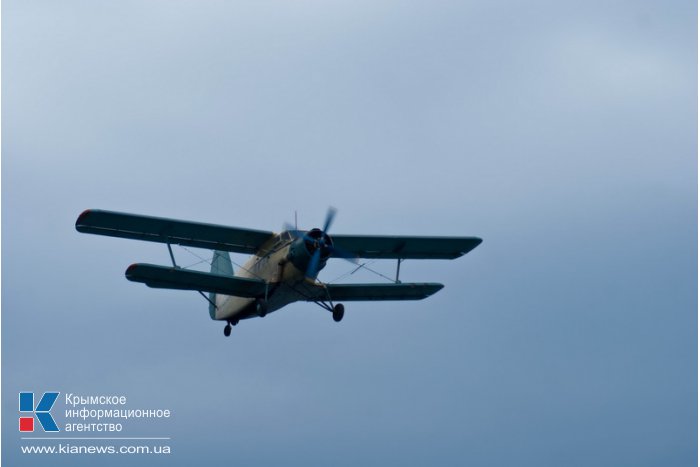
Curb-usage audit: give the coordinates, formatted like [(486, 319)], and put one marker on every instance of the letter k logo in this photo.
[(26, 404)]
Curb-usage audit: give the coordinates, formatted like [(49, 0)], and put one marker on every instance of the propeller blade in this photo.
[(312, 269), (337, 252), (330, 215)]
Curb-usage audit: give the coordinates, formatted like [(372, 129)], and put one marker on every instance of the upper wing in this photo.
[(362, 292), (163, 277), (405, 247), (158, 229)]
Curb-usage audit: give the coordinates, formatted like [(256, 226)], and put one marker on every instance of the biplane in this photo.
[(283, 267)]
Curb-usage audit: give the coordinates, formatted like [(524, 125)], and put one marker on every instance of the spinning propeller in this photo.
[(320, 244)]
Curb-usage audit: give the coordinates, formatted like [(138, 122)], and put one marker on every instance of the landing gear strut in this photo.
[(261, 308), (338, 312)]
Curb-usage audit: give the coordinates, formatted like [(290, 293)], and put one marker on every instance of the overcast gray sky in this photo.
[(563, 133)]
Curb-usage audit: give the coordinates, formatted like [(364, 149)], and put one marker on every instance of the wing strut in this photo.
[(208, 299), (172, 257), (398, 268)]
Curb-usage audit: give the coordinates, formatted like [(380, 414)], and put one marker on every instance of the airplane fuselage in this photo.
[(274, 266)]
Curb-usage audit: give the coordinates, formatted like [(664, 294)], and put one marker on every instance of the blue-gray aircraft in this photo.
[(283, 267)]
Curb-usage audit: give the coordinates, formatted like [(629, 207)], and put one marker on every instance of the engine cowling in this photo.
[(303, 248)]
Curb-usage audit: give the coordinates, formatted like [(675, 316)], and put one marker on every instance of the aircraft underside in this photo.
[(233, 309)]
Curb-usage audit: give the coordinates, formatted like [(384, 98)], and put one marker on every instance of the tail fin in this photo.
[(220, 264)]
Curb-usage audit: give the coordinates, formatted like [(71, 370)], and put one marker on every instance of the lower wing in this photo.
[(163, 277), (369, 292)]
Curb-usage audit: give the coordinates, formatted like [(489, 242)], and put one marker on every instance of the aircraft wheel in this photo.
[(338, 312), (227, 330), (261, 308)]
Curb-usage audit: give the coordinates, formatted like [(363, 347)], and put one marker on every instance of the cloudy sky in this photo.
[(563, 133)]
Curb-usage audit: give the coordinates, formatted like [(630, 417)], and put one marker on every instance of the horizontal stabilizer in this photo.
[(368, 292), (163, 277), (173, 231)]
